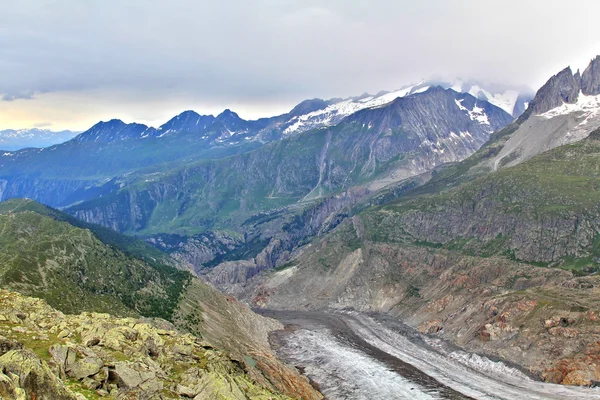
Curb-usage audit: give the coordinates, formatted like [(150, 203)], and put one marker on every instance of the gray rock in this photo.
[(7, 345), (590, 80)]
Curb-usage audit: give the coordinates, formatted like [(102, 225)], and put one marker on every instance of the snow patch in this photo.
[(476, 114), (588, 105), (506, 100)]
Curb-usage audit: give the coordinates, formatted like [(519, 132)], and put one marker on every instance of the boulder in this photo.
[(7, 345), (33, 376), (84, 367), (128, 375)]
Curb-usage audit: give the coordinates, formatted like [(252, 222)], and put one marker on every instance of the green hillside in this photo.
[(77, 267), (43, 255)]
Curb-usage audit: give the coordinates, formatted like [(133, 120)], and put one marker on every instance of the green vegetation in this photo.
[(43, 255), (413, 291)]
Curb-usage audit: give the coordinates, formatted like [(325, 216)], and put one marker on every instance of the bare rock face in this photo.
[(565, 87), (590, 79), (561, 88)]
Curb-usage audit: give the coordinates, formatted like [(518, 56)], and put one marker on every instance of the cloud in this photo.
[(42, 124), (17, 96), (267, 53)]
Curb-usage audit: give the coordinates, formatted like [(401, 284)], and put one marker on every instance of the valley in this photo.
[(439, 241), (358, 356)]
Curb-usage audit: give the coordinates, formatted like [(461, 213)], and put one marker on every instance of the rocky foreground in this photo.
[(45, 354)]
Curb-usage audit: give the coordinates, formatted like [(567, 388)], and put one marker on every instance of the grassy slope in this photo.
[(43, 255), (128, 244)]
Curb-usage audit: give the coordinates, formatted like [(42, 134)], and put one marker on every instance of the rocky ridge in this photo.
[(45, 354)]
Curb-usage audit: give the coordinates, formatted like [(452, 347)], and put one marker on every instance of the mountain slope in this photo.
[(559, 114), (501, 262), (563, 111), (374, 147), (504, 265), (73, 270), (70, 267)]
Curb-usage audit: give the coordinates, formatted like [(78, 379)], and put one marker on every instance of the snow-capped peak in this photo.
[(336, 111)]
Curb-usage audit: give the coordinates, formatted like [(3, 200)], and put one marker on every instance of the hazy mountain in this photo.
[(513, 100), (16, 139), (373, 147)]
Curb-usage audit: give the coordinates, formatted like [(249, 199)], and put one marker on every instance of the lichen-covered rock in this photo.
[(136, 376), (119, 358), (7, 345), (33, 376), (9, 388)]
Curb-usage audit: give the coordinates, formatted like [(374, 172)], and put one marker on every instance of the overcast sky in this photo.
[(69, 63)]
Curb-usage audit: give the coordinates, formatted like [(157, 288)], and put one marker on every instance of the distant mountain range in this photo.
[(228, 129), (426, 128), (16, 139)]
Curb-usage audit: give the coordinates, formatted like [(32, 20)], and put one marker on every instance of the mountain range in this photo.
[(497, 253), (467, 213), (16, 139)]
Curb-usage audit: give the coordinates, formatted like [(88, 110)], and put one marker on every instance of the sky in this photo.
[(66, 64)]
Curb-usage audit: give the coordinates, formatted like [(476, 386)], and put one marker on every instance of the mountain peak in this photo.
[(229, 118), (188, 114), (562, 88), (110, 131), (565, 87), (111, 122), (590, 79), (227, 113), (308, 106)]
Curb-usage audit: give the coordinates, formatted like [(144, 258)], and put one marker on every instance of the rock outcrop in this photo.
[(565, 87), (48, 355)]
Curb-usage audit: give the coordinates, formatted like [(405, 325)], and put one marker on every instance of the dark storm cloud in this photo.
[(277, 50)]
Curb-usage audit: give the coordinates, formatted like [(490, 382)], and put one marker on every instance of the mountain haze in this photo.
[(16, 139)]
